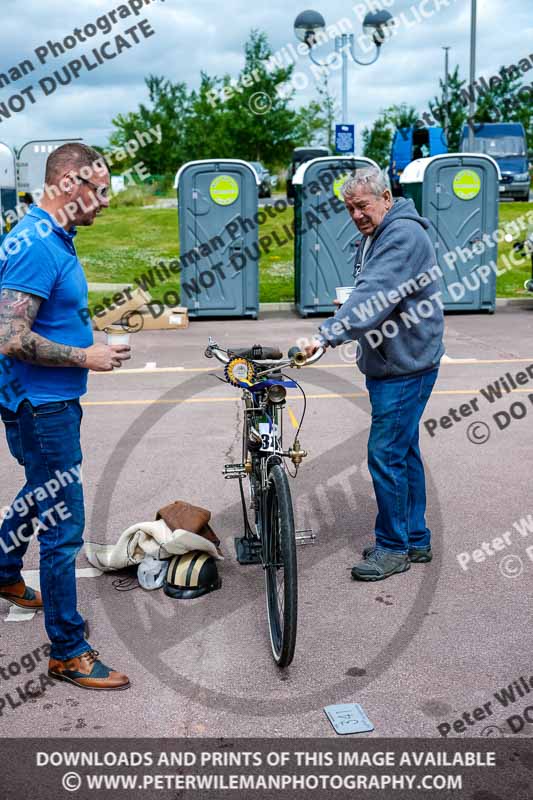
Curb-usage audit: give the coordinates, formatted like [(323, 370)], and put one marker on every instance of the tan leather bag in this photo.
[(181, 514)]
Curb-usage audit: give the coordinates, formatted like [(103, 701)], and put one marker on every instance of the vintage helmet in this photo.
[(192, 575)]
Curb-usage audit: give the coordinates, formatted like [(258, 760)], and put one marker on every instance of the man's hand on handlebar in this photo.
[(312, 348)]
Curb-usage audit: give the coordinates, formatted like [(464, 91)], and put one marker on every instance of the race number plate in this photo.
[(348, 718), (268, 436)]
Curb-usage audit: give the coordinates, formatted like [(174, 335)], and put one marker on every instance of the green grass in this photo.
[(125, 242), (511, 283)]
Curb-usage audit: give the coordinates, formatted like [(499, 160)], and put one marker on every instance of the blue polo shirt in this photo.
[(38, 257)]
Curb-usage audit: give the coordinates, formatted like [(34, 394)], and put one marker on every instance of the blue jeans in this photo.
[(45, 440), (394, 460)]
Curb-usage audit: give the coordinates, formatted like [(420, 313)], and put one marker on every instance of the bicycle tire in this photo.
[(250, 483), (280, 563)]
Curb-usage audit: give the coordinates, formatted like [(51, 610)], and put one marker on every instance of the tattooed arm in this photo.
[(18, 311), (17, 315)]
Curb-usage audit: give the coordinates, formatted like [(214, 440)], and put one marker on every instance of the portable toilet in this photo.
[(325, 237), (218, 228), (458, 193), (8, 190), (31, 165)]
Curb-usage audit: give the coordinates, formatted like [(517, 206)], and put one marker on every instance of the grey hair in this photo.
[(371, 177)]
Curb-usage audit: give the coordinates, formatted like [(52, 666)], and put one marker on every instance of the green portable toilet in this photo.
[(325, 237), (218, 228), (459, 195), (8, 190)]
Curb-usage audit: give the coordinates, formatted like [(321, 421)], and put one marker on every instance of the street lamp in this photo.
[(445, 98), (472, 106), (309, 27)]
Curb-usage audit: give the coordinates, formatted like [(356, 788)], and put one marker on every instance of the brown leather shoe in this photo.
[(21, 595), (87, 671)]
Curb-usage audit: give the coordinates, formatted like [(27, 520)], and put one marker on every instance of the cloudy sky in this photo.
[(210, 35)]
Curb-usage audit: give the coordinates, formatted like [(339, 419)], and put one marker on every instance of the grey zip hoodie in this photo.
[(395, 310)]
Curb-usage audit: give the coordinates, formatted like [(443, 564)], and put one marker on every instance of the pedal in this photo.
[(234, 471), (248, 551), (305, 537)]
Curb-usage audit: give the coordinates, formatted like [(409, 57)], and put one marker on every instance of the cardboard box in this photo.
[(176, 318), (135, 299)]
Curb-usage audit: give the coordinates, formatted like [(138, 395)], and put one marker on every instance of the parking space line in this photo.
[(326, 396), (294, 421), (32, 576)]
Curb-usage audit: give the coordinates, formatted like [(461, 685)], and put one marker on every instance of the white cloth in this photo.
[(146, 538)]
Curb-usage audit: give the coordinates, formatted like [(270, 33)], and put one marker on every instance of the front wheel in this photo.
[(281, 579)]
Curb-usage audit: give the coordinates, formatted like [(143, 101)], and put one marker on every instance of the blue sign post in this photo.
[(345, 139)]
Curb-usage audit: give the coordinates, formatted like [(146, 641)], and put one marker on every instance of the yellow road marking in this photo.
[(292, 418), (325, 396), (338, 365)]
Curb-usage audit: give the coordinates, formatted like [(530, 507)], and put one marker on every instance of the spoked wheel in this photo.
[(281, 580)]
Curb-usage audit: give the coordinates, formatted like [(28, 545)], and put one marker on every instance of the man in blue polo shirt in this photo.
[(46, 351)]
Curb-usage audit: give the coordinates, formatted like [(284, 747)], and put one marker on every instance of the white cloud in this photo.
[(210, 36)]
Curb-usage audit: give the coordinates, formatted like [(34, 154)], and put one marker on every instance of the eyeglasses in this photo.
[(101, 191)]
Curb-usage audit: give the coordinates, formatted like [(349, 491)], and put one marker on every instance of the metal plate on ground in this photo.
[(348, 718)]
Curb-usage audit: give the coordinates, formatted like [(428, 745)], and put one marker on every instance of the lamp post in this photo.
[(309, 27), (472, 107), (446, 71)]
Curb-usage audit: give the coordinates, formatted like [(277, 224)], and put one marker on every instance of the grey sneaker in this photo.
[(380, 564), (417, 555)]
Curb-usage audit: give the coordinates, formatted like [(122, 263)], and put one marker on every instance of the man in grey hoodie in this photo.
[(395, 314)]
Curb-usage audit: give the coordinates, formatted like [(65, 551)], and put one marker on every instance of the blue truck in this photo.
[(506, 143), (409, 144)]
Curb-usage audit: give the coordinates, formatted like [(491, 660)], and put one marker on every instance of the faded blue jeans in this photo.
[(394, 460), (45, 440)]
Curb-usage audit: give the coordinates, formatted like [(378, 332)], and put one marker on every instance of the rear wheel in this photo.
[(281, 580)]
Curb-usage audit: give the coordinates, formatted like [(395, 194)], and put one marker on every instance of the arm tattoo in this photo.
[(18, 311)]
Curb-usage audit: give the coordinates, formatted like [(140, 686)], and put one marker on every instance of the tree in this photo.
[(503, 102), (259, 125), (401, 116), (377, 141), (316, 120), (248, 117), (455, 110), (170, 108)]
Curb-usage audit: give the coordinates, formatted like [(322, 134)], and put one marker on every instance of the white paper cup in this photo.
[(343, 293), (117, 336)]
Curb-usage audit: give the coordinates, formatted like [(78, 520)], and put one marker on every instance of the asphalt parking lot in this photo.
[(420, 651)]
